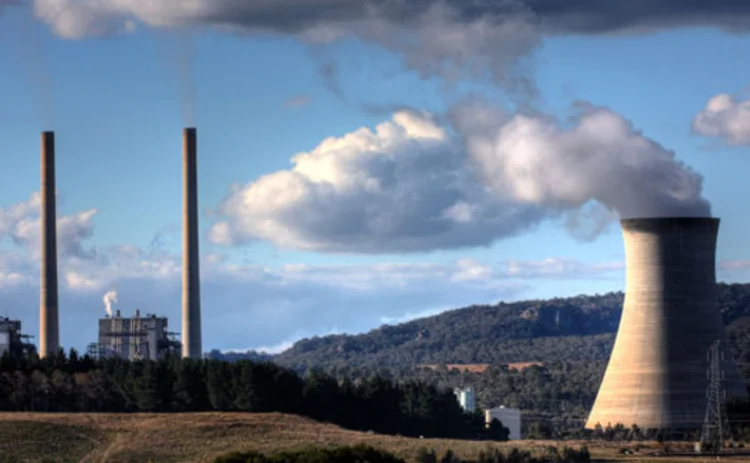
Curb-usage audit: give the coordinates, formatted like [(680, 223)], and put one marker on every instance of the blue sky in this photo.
[(117, 104)]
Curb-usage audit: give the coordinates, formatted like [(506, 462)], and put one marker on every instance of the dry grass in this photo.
[(200, 437)]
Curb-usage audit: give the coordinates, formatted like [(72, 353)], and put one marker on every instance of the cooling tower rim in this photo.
[(702, 225), (669, 221)]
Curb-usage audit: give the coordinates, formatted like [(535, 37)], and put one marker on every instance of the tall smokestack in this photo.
[(191, 296), (657, 373), (49, 331)]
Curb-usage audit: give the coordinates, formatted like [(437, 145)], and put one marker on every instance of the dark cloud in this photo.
[(294, 16)]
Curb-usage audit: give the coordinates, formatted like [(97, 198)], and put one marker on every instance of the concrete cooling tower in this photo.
[(657, 373)]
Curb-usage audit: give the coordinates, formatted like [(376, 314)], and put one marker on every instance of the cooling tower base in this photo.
[(657, 376)]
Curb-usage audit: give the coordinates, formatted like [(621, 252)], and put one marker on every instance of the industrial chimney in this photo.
[(49, 331), (657, 373), (191, 296)]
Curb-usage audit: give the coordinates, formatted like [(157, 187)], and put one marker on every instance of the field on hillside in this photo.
[(200, 437)]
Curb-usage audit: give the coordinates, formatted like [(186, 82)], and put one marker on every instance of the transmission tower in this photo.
[(715, 424)]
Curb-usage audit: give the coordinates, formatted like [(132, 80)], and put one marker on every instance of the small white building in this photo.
[(509, 417), (466, 398)]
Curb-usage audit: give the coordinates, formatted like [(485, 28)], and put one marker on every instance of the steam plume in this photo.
[(109, 299)]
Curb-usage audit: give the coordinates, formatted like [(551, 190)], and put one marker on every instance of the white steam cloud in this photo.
[(109, 299), (415, 185), (602, 158)]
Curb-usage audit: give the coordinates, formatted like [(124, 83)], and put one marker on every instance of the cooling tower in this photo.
[(191, 296), (657, 373), (49, 334)]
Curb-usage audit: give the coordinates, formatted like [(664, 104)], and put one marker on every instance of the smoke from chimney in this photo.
[(109, 299)]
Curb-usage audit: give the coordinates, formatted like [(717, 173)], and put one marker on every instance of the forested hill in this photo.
[(580, 328)]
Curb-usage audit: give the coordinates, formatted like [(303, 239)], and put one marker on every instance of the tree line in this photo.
[(71, 383)]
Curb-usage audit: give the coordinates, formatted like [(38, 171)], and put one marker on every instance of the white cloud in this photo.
[(21, 222), (413, 185), (406, 186), (736, 264), (560, 268), (471, 270), (726, 118)]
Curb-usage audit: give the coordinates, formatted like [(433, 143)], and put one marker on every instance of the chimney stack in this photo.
[(191, 297), (49, 331)]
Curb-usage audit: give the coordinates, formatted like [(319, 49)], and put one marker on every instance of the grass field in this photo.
[(200, 437)]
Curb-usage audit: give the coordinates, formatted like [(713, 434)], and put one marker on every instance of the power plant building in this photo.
[(657, 373), (136, 338), (12, 340)]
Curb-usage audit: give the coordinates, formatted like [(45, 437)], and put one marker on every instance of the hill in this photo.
[(575, 329), (201, 437)]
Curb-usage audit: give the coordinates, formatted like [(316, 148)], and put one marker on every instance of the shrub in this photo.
[(491, 456), (519, 456), (450, 457), (552, 455), (576, 456), (348, 454), (426, 456), (242, 457)]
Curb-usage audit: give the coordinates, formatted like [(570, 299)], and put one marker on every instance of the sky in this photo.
[(361, 164)]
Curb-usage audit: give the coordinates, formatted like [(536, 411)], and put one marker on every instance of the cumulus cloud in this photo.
[(412, 184), (22, 223), (726, 118), (406, 186)]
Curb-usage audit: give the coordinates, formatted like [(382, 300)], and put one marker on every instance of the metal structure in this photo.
[(191, 297), (656, 376), (136, 338), (715, 423), (12, 340), (49, 330)]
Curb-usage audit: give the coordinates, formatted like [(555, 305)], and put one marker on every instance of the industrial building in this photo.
[(49, 330), (508, 417), (657, 373), (136, 338), (466, 398), (12, 340)]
